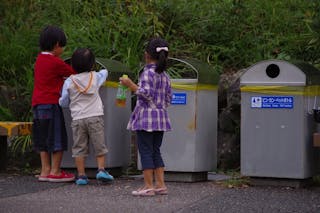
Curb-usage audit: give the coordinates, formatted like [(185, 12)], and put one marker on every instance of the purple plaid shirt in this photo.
[(153, 98)]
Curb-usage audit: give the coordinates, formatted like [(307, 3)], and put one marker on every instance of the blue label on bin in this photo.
[(278, 102), (179, 98)]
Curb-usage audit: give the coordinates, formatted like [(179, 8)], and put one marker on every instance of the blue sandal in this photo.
[(82, 180)]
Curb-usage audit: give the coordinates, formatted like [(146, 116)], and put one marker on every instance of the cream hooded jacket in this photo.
[(81, 93)]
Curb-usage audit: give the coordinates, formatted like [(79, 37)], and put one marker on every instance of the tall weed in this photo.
[(230, 34)]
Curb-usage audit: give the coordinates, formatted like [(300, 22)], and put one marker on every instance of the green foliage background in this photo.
[(227, 34)]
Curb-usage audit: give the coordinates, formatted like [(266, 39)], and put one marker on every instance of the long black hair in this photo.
[(158, 49)]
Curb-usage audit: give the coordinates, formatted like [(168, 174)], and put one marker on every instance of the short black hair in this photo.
[(50, 36), (82, 60)]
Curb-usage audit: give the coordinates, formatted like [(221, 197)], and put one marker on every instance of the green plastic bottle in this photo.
[(121, 94)]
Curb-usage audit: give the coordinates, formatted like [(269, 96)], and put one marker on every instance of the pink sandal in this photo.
[(143, 192), (161, 191)]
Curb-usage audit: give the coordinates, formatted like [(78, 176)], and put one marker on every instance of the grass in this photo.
[(235, 180), (316, 180), (227, 35)]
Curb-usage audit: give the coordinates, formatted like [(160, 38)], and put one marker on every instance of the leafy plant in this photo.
[(227, 35), (21, 157), (20, 145), (235, 180), (5, 114), (316, 180)]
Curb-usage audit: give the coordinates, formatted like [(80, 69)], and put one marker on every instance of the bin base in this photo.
[(186, 176), (284, 182)]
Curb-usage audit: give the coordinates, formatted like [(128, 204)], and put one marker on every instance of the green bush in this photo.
[(229, 34)]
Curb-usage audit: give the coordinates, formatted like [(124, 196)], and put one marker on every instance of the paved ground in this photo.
[(25, 194)]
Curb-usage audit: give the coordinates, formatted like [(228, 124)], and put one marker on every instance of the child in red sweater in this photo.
[(49, 133)]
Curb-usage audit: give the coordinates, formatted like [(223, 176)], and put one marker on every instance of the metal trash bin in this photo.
[(277, 99), (117, 138), (190, 150)]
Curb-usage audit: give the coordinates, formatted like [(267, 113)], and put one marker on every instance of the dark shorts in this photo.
[(149, 144), (48, 130)]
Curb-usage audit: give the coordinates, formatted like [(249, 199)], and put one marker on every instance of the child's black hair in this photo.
[(157, 48), (50, 36), (82, 60)]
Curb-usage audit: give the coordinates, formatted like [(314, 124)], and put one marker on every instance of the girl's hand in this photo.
[(128, 82), (125, 81)]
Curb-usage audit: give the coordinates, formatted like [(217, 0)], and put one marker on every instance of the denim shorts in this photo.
[(88, 131), (48, 131), (149, 144)]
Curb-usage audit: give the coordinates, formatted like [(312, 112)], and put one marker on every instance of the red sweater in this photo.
[(49, 74)]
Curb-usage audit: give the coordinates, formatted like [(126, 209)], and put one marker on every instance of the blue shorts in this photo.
[(149, 144), (48, 130)]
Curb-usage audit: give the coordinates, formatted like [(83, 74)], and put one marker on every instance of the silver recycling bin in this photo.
[(117, 138), (277, 99)]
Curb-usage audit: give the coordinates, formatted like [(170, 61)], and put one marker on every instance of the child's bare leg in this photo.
[(56, 162), (45, 163), (80, 161), (159, 176), (148, 178), (101, 161)]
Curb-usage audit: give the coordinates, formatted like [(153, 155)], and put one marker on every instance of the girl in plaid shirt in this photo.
[(150, 117)]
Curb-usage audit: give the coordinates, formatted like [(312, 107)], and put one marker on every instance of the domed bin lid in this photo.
[(205, 74), (278, 72)]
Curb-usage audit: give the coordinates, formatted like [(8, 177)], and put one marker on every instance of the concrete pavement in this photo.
[(19, 193)]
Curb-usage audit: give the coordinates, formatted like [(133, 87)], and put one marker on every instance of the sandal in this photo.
[(161, 191), (143, 192)]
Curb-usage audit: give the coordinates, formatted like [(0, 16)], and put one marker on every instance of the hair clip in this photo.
[(158, 49)]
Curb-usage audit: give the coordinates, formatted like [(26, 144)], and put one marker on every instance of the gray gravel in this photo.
[(26, 194)]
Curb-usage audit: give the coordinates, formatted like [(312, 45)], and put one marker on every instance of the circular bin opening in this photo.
[(273, 70)]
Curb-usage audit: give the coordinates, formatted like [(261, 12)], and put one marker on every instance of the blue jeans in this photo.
[(48, 130), (149, 144)]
